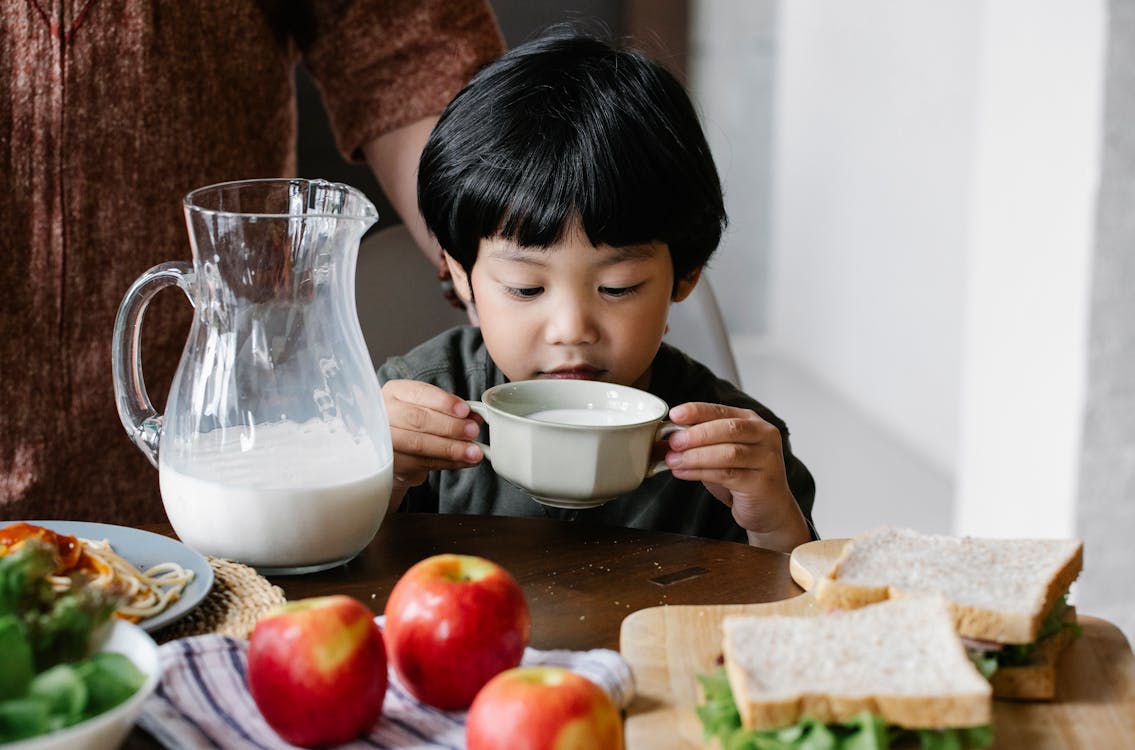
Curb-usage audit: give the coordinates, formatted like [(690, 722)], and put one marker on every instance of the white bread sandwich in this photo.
[(894, 672), (1007, 596)]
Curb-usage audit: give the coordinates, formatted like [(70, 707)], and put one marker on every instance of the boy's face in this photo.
[(572, 310)]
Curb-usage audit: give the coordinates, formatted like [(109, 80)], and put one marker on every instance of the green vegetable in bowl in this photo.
[(48, 681), (58, 625)]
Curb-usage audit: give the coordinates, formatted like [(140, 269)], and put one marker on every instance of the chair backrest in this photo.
[(698, 329), (397, 295), (400, 305)]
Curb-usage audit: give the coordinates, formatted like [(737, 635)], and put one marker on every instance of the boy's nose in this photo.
[(571, 323)]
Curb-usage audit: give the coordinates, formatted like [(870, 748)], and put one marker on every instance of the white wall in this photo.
[(936, 217), (1029, 256), (874, 135), (933, 168), (732, 59), (1105, 515)]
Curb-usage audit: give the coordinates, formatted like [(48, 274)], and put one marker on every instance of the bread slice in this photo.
[(1037, 679), (900, 660), (998, 589)]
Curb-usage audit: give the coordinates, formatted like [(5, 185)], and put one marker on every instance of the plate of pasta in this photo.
[(159, 579)]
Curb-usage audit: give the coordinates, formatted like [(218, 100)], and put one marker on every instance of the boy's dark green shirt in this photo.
[(458, 362)]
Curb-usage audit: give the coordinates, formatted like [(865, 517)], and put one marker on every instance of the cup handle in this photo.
[(143, 424), (667, 429), (480, 408)]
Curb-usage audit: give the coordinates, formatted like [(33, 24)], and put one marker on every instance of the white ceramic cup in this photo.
[(573, 443)]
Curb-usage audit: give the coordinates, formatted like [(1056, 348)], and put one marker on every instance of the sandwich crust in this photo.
[(998, 589), (1036, 680), (900, 660)]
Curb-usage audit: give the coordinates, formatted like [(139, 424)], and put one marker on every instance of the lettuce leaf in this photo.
[(865, 731), (718, 713), (985, 662), (1021, 654)]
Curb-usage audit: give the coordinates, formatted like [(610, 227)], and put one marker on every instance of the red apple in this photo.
[(543, 708), (317, 670), (453, 622)]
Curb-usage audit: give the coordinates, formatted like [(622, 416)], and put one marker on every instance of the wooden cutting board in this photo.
[(667, 646), (814, 559)]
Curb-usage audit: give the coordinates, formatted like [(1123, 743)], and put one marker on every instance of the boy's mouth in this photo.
[(574, 372)]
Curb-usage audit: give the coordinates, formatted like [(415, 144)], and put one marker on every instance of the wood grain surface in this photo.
[(813, 560), (580, 580)]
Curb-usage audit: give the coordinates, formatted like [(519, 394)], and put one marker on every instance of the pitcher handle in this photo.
[(143, 424)]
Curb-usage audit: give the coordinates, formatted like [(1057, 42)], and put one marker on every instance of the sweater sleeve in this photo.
[(680, 379), (455, 361), (383, 64)]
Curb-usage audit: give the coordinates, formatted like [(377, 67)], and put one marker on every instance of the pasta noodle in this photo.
[(144, 593)]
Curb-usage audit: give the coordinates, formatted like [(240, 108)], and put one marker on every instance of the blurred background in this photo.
[(930, 266)]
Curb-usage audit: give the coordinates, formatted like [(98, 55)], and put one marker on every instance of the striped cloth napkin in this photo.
[(203, 701)]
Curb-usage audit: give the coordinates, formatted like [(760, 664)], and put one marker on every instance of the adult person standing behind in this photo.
[(110, 112)]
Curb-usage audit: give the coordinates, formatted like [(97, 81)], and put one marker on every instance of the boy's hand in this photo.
[(430, 429), (739, 458)]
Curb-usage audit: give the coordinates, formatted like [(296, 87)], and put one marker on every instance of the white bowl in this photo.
[(108, 730)]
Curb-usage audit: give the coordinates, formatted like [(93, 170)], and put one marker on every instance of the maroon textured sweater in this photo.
[(110, 112)]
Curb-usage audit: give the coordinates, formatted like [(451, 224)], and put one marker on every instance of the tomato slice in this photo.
[(69, 554)]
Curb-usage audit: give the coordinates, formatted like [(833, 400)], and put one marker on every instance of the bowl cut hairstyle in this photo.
[(570, 128)]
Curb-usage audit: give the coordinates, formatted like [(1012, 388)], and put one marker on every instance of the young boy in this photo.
[(575, 197)]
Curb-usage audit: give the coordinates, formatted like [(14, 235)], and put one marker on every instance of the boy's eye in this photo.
[(618, 291), (526, 292)]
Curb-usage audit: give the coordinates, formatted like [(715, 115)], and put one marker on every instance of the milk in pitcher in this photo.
[(280, 495)]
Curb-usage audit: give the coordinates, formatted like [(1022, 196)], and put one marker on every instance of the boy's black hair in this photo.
[(569, 126)]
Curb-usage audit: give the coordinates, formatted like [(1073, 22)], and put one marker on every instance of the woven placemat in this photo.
[(239, 597)]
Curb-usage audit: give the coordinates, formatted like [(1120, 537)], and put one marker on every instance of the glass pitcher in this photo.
[(274, 449)]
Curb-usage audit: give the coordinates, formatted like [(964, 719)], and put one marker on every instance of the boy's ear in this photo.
[(460, 279), (685, 285)]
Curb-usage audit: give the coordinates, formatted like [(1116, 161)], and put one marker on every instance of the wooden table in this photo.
[(580, 580)]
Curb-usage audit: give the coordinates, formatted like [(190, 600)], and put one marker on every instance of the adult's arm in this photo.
[(393, 157), (386, 70)]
